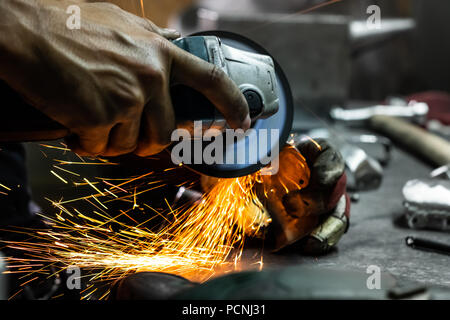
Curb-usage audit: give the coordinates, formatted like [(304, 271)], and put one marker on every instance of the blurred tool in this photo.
[(439, 115), (438, 102), (427, 245), (371, 139), (188, 196), (427, 201), (363, 171), (317, 50), (362, 36), (417, 140), (414, 111), (436, 127)]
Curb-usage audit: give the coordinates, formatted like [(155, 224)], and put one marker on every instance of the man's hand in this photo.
[(107, 82)]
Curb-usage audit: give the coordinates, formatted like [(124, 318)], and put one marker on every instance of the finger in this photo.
[(214, 84), (123, 138), (170, 34), (90, 143), (158, 123)]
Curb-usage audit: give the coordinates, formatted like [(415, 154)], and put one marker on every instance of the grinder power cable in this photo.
[(255, 72)]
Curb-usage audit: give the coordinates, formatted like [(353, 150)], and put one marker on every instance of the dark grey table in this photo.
[(376, 238)]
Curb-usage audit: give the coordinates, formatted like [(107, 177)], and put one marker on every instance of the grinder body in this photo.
[(253, 73)]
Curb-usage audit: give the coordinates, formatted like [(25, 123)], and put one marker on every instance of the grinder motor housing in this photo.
[(253, 73)]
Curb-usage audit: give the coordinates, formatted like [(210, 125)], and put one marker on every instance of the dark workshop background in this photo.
[(340, 71)]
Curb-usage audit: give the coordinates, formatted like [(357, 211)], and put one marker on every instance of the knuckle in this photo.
[(150, 25), (95, 121), (148, 150), (156, 77), (216, 75), (133, 99), (143, 152), (162, 140), (154, 144), (140, 152), (162, 44), (118, 151), (109, 6)]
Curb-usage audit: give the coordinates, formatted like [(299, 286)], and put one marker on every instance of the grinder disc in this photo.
[(282, 120)]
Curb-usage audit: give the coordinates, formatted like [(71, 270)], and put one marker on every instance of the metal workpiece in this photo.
[(415, 112), (364, 172), (441, 173), (427, 204), (427, 245), (328, 234)]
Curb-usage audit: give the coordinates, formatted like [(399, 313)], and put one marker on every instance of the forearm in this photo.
[(18, 29), (24, 34)]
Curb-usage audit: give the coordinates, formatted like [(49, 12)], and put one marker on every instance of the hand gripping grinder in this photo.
[(254, 71)]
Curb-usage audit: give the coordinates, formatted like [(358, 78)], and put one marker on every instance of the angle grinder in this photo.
[(250, 66)]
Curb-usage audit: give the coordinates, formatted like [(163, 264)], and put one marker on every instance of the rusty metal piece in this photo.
[(299, 198), (295, 200), (328, 233), (292, 217)]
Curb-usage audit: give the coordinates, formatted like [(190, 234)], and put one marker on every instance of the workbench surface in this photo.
[(377, 237), (374, 238)]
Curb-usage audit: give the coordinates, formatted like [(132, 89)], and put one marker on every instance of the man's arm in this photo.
[(107, 82)]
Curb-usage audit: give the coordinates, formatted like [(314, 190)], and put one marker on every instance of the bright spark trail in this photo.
[(197, 241)]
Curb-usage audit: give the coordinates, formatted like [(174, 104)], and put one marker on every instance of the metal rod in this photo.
[(427, 245)]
